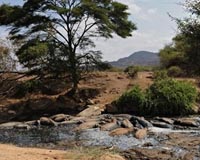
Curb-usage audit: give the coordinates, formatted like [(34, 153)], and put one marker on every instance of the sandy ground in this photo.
[(10, 152)]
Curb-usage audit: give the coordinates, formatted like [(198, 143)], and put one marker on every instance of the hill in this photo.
[(142, 58)]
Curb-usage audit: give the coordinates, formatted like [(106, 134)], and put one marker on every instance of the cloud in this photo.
[(138, 11), (152, 11), (133, 7)]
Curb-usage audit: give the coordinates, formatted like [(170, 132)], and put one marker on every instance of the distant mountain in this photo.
[(142, 58)]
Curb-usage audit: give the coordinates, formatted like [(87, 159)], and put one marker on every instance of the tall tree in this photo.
[(185, 49), (190, 29), (68, 25)]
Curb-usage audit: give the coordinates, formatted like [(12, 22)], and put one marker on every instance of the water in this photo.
[(37, 136), (52, 136)]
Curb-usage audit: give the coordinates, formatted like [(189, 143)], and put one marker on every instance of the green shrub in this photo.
[(27, 87), (171, 97), (174, 71), (102, 66), (132, 71), (160, 74), (131, 100), (165, 97)]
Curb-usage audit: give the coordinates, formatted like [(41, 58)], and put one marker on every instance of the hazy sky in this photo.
[(155, 27)]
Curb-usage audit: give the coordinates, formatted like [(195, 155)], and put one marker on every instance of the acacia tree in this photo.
[(68, 25)]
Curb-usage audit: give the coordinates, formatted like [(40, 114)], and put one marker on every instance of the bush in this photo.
[(132, 71), (27, 87), (131, 100), (175, 71), (165, 97), (160, 74), (171, 97), (102, 66)]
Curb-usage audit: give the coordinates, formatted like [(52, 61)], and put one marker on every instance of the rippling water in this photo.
[(54, 136)]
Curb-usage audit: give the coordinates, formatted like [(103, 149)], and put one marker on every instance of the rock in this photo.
[(119, 77), (141, 133), (86, 125), (124, 116), (120, 131), (109, 126), (141, 120), (126, 124), (22, 126), (92, 110), (47, 121), (188, 122), (9, 124), (34, 122), (109, 156), (90, 102), (11, 112), (161, 124), (68, 122), (60, 117), (166, 120)]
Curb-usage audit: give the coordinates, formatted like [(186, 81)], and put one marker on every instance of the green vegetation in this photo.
[(27, 87), (102, 66), (43, 47), (165, 97), (132, 71), (175, 71), (171, 97), (184, 51), (159, 75), (134, 98)]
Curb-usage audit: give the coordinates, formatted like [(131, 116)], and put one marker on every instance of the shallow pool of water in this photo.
[(53, 136), (65, 135)]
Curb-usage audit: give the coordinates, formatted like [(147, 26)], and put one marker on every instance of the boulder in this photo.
[(87, 124), (141, 133), (161, 124), (120, 131), (10, 124), (141, 120), (92, 110), (188, 122), (22, 126), (68, 123), (60, 117), (124, 116), (126, 124), (109, 126), (166, 120), (34, 122), (47, 121)]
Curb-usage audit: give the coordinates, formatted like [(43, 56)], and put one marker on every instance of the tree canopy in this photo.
[(185, 49), (52, 32)]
